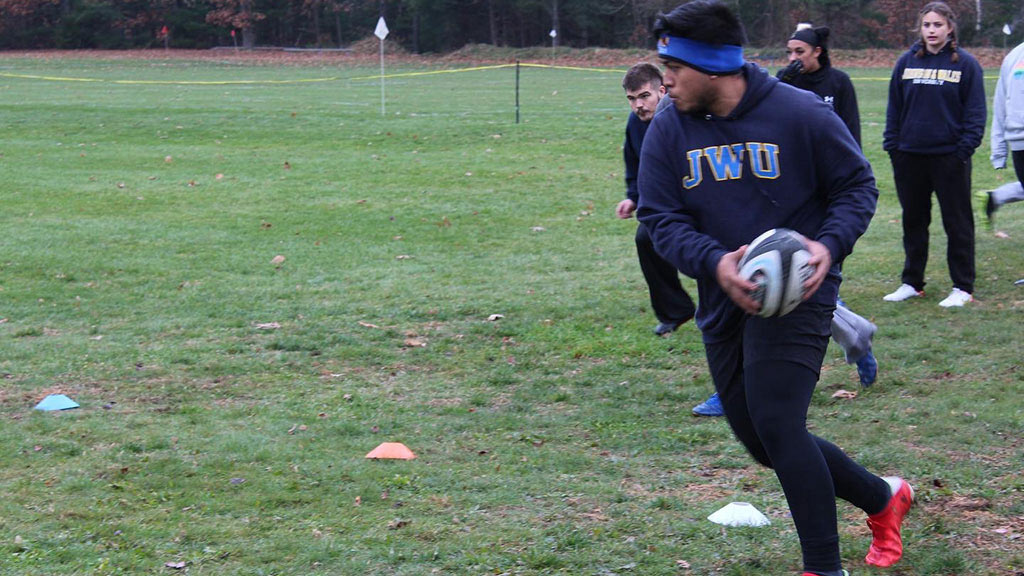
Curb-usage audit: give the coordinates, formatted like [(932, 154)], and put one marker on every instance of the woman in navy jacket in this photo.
[(934, 121)]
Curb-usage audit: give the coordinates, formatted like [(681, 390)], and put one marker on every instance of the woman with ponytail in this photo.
[(934, 122), (811, 69)]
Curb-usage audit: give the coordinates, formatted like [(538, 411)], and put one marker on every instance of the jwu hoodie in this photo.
[(781, 158)]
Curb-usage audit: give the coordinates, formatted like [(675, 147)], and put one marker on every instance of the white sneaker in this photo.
[(904, 292), (956, 298)]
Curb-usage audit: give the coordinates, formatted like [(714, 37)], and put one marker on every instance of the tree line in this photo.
[(439, 26)]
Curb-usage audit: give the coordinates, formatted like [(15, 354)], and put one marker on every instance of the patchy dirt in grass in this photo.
[(716, 484), (366, 52), (444, 402), (997, 538)]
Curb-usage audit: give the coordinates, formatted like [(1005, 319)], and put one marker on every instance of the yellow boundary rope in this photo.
[(495, 67), (298, 81), (177, 82), (335, 78)]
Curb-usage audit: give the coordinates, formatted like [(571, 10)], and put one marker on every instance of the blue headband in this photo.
[(706, 58)]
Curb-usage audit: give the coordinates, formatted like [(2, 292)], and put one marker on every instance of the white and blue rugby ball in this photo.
[(777, 262)]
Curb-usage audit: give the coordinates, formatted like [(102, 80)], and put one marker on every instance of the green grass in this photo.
[(140, 224)]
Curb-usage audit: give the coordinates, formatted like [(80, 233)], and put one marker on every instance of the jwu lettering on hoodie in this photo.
[(726, 162)]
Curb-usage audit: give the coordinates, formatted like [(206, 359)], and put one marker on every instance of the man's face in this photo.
[(691, 91), (644, 101)]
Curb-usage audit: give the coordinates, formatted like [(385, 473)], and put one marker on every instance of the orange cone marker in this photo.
[(392, 451)]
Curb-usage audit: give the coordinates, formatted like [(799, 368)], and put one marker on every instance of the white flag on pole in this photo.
[(1006, 29), (382, 29), (382, 33)]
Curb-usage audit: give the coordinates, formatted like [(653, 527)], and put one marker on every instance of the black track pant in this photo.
[(671, 304), (765, 374), (1018, 164), (916, 177)]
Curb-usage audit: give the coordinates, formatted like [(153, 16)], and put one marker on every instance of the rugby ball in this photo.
[(776, 262)]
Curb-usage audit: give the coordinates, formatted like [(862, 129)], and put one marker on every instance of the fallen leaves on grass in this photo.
[(413, 340), (396, 524), (175, 565), (844, 394), (367, 324), (596, 515), (276, 260), (268, 326)]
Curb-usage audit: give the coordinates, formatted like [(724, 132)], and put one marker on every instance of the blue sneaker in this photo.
[(867, 368), (710, 407)]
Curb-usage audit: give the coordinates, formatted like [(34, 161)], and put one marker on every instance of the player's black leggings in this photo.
[(765, 376)]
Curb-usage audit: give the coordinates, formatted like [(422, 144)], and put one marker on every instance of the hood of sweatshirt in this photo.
[(759, 85)]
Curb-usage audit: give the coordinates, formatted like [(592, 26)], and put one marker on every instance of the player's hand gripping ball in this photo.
[(776, 262)]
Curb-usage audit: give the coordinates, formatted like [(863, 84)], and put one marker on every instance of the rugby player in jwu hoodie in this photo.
[(738, 154), (710, 184)]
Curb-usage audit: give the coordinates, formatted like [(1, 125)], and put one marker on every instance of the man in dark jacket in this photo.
[(672, 305), (726, 164)]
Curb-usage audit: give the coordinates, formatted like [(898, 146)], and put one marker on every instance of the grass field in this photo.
[(248, 286)]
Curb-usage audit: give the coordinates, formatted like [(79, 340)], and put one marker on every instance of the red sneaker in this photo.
[(886, 543)]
